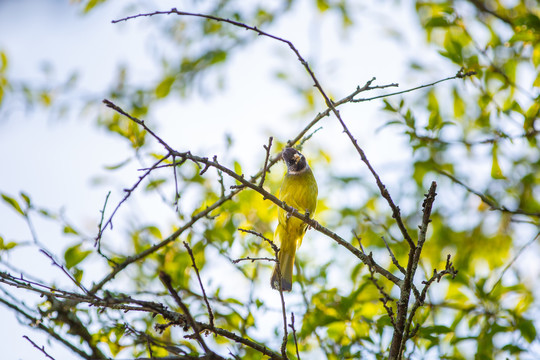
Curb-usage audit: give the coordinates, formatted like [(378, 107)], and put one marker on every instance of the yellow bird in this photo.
[(299, 190)]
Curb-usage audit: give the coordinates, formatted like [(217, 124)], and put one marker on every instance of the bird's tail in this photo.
[(286, 264)]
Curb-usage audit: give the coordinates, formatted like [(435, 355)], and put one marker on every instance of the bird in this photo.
[(299, 190)]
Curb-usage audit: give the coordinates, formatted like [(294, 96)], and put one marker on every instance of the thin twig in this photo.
[(166, 280), (64, 270), (175, 235), (394, 260), (38, 324), (176, 192), (516, 256), (130, 190), (294, 336), (265, 167), (124, 303), (485, 199), (280, 288), (247, 258), (42, 348), (399, 336), (102, 211), (272, 244), (385, 298), (210, 314), (437, 276), (459, 75)]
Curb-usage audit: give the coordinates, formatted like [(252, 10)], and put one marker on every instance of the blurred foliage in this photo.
[(484, 218)]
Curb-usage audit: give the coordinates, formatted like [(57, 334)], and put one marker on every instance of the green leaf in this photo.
[(527, 329), (215, 57), (536, 82), (74, 255), (513, 349), (322, 5), (459, 104), (237, 168), (7, 246), (26, 198), (69, 230), (154, 231), (3, 61), (13, 203), (164, 87), (438, 21), (78, 274), (119, 165), (496, 172), (154, 184), (91, 4), (536, 55)]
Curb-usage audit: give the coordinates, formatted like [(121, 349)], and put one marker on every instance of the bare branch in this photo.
[(459, 75), (516, 256), (294, 336), (236, 261), (448, 270), (399, 337), (394, 260), (64, 270), (485, 199), (42, 348), (38, 324), (272, 244), (166, 280), (265, 167), (283, 307), (131, 259), (127, 191), (385, 298), (210, 314)]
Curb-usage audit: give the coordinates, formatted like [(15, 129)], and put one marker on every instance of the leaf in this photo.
[(164, 87), (322, 5), (513, 349), (69, 230), (91, 4), (7, 246), (536, 82), (459, 104), (78, 274), (119, 165), (13, 203), (438, 21), (74, 255), (237, 168), (527, 329), (496, 172), (154, 184), (26, 198), (154, 231), (536, 55), (438, 329), (3, 61)]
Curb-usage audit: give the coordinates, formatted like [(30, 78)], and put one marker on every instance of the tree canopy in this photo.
[(426, 234)]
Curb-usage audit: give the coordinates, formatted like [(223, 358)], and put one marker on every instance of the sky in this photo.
[(59, 160)]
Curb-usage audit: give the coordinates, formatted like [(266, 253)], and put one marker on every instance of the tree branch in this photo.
[(166, 280), (210, 314), (398, 338)]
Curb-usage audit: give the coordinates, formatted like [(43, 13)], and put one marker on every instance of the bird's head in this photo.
[(296, 162)]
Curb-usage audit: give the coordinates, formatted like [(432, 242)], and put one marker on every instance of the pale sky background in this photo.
[(56, 160)]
